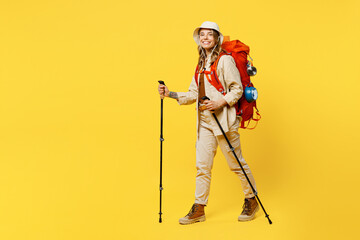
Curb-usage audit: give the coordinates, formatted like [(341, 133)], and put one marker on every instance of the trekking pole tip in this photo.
[(270, 222), (160, 220)]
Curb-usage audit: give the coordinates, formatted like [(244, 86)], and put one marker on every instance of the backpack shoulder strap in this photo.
[(214, 77), (197, 75), (214, 80), (218, 59)]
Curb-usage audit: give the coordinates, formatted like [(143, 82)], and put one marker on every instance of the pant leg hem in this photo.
[(250, 195), (201, 202)]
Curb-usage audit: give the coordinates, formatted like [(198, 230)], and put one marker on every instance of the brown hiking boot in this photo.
[(196, 214), (250, 207)]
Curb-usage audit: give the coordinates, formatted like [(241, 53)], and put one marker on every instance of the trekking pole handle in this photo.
[(162, 82), (205, 98)]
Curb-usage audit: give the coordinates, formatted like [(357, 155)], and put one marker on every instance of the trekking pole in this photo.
[(161, 142), (237, 159)]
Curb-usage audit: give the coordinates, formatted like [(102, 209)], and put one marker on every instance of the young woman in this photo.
[(209, 39)]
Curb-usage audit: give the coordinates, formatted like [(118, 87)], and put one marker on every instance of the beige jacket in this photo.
[(229, 77)]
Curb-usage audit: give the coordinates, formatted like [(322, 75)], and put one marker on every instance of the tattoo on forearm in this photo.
[(173, 95)]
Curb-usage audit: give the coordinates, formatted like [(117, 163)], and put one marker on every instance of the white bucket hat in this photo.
[(209, 25)]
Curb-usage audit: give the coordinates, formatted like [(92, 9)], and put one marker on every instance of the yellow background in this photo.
[(80, 119)]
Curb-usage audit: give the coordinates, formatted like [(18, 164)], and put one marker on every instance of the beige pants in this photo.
[(206, 146)]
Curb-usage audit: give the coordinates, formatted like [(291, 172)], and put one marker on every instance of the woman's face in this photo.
[(207, 40)]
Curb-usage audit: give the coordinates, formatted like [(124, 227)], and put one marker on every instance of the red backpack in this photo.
[(239, 52)]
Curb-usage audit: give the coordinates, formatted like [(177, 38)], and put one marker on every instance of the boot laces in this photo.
[(192, 210), (247, 207)]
